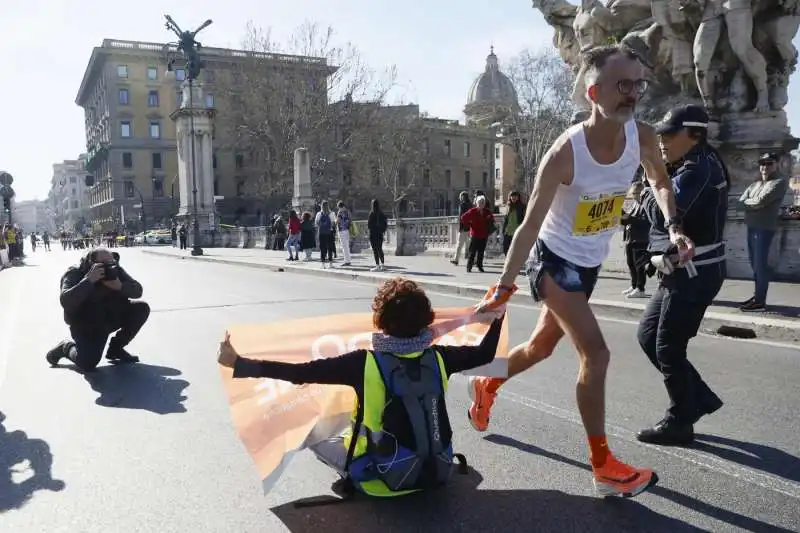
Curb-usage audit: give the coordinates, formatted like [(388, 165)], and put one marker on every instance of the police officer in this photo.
[(674, 313)]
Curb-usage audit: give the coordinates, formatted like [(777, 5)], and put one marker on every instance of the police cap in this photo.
[(769, 157), (687, 116)]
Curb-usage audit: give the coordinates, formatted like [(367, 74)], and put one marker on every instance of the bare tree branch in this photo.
[(282, 97), (544, 85)]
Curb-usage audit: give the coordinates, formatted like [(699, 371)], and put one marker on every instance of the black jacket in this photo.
[(377, 223), (637, 225), (93, 306), (463, 208)]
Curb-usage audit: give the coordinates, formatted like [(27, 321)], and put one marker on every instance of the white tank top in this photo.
[(586, 213)]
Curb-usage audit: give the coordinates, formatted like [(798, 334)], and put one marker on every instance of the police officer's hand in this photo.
[(684, 244), (96, 273)]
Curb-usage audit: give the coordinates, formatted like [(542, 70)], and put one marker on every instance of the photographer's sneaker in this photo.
[(56, 354), (120, 355)]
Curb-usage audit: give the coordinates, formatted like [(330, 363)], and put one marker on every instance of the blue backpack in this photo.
[(325, 225)]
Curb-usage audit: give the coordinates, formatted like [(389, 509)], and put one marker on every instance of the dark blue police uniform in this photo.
[(674, 313)]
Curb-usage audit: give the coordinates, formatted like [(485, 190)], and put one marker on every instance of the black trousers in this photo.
[(477, 247), (632, 253), (86, 348), (183, 242), (507, 243), (376, 242), (327, 247), (671, 319)]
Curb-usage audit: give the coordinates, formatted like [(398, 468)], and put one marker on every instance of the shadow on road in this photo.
[(139, 386), (759, 456), (25, 465), (724, 515), (464, 508)]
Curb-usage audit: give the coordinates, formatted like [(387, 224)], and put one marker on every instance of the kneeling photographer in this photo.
[(96, 297)]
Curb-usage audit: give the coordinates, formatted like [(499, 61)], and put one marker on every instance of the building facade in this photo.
[(32, 216), (131, 147), (69, 201)]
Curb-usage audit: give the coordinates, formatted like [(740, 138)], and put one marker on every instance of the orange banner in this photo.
[(276, 419)]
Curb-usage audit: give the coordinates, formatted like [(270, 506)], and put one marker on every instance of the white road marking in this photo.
[(722, 466)]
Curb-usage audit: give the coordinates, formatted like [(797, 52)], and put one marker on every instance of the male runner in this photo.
[(575, 208)]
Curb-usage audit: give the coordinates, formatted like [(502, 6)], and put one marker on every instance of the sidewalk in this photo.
[(436, 273)]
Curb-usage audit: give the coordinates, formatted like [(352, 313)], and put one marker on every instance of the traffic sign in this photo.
[(6, 178)]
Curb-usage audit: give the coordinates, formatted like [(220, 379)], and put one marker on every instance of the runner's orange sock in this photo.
[(598, 450), (493, 384)]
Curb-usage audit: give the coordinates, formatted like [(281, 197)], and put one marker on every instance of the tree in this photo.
[(279, 98), (544, 87)]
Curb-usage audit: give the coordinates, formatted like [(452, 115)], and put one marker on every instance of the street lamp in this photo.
[(189, 47)]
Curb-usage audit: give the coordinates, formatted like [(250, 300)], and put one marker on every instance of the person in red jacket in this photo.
[(481, 224)]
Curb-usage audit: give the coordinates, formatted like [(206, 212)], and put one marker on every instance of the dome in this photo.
[(492, 87)]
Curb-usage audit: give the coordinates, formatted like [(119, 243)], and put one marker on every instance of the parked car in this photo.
[(152, 237)]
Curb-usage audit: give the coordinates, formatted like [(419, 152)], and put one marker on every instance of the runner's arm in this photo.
[(554, 170), (461, 358), (655, 170), (346, 369)]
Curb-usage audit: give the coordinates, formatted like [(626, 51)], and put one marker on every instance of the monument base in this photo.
[(303, 203)]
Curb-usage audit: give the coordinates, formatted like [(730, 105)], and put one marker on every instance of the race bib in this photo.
[(597, 214)]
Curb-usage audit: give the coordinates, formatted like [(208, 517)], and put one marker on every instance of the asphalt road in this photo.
[(150, 448)]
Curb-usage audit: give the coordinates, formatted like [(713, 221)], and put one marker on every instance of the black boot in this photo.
[(58, 352), (117, 354), (668, 432)]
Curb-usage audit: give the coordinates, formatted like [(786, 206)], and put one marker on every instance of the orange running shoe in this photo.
[(482, 401), (616, 478)]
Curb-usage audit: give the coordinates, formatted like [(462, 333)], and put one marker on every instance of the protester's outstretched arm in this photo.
[(346, 369), (461, 358)]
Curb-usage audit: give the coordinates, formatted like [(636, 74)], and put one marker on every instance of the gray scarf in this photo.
[(382, 342)]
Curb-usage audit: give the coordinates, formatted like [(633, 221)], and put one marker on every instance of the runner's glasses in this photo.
[(626, 87)]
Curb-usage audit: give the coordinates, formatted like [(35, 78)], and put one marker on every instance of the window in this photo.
[(179, 97), (73, 179), (157, 164), (214, 161), (127, 160), (427, 144), (125, 129), (209, 99), (485, 180), (485, 151), (155, 129), (158, 188), (152, 99), (130, 190), (466, 149), (74, 204), (124, 96), (497, 152), (467, 177), (122, 71), (152, 73), (497, 174), (426, 177), (240, 187), (447, 147), (180, 74), (447, 178), (216, 186), (73, 192), (402, 176), (239, 161)]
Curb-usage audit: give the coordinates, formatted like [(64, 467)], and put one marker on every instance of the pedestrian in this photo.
[(293, 240), (480, 221), (376, 225), (343, 226), (327, 244), (464, 205), (636, 236), (575, 209), (182, 235), (514, 217), (307, 240), (673, 315), (400, 385), (279, 232), (762, 205)]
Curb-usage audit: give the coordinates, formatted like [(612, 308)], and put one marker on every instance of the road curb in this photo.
[(718, 323)]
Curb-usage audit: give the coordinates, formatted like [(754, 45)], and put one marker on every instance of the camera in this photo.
[(111, 272)]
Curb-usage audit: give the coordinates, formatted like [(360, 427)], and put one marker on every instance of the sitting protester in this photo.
[(96, 296), (404, 437)]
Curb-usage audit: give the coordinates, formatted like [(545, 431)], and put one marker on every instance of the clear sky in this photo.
[(438, 47)]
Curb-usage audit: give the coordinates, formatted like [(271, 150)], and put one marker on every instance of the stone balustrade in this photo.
[(439, 236)]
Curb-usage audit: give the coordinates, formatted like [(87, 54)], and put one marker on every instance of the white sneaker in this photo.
[(637, 293), (628, 291), (375, 269)]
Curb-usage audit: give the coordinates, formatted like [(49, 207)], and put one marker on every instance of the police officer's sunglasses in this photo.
[(627, 86)]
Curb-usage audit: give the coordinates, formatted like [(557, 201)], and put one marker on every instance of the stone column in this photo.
[(303, 199), (194, 119)]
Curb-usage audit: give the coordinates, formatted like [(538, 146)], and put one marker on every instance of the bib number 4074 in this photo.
[(601, 209)]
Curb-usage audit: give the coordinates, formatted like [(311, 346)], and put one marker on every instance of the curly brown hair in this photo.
[(401, 308)]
